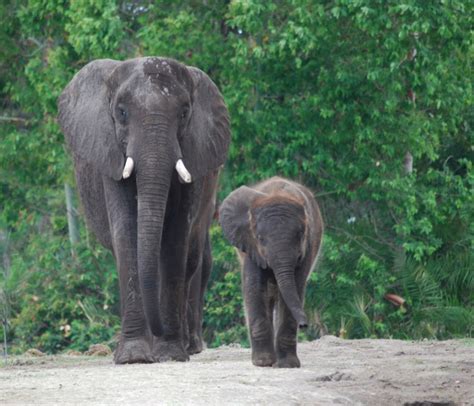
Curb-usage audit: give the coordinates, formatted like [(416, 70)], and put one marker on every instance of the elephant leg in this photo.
[(171, 345), (194, 345), (287, 330), (134, 345), (259, 309), (174, 252), (196, 293)]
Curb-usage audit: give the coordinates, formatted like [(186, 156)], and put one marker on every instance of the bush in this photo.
[(59, 298), (224, 321)]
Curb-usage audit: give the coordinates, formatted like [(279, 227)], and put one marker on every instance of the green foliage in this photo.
[(60, 299), (224, 320), (439, 301), (336, 95), (94, 28)]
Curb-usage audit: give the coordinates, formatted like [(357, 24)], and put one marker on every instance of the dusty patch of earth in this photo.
[(333, 372)]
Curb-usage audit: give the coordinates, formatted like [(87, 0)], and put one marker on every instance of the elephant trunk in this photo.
[(285, 277), (153, 183)]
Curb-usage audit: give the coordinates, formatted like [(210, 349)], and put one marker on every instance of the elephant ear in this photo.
[(234, 216), (86, 120), (206, 143)]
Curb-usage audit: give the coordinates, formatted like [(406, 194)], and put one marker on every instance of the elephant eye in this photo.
[(184, 112), (122, 113)]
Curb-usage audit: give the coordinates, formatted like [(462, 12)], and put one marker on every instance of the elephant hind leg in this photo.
[(197, 289), (194, 333)]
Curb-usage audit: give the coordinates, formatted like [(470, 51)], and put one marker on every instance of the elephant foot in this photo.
[(263, 359), (133, 351), (289, 361), (195, 345), (164, 351)]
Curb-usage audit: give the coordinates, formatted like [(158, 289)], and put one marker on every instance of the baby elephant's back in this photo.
[(277, 184)]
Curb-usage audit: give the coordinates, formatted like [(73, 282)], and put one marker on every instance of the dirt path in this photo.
[(334, 372)]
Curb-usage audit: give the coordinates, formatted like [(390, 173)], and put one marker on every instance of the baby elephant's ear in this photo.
[(234, 216)]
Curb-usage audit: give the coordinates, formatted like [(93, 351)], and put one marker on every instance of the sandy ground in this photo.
[(333, 372)]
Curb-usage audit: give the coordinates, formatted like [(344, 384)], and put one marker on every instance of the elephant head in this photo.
[(144, 118), (272, 230)]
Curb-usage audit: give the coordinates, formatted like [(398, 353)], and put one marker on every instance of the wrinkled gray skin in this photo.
[(154, 110), (277, 227)]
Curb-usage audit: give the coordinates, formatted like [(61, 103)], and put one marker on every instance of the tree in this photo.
[(368, 103)]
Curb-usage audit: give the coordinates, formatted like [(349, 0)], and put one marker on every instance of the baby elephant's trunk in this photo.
[(285, 277)]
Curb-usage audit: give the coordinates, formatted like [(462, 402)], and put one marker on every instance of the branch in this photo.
[(18, 120), (356, 240)]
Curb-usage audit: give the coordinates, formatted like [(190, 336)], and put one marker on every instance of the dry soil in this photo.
[(333, 372)]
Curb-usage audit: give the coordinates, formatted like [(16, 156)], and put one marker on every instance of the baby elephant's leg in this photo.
[(259, 314), (286, 338), (287, 330)]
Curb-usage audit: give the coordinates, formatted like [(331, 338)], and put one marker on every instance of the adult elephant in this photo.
[(148, 137)]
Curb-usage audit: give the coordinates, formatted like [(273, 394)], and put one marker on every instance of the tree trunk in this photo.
[(72, 222)]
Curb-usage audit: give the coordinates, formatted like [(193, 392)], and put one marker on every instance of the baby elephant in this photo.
[(277, 227)]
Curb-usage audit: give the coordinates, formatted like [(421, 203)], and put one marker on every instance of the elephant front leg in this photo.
[(171, 345), (259, 309), (287, 330), (135, 341), (286, 338)]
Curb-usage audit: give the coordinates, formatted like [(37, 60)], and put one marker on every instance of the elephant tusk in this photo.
[(128, 168), (183, 172)]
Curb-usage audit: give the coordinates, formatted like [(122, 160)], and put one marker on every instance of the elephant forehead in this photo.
[(278, 225), (148, 94), (166, 74), (280, 212), (152, 83), (156, 64)]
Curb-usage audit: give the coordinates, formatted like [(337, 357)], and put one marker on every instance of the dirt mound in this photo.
[(99, 350)]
